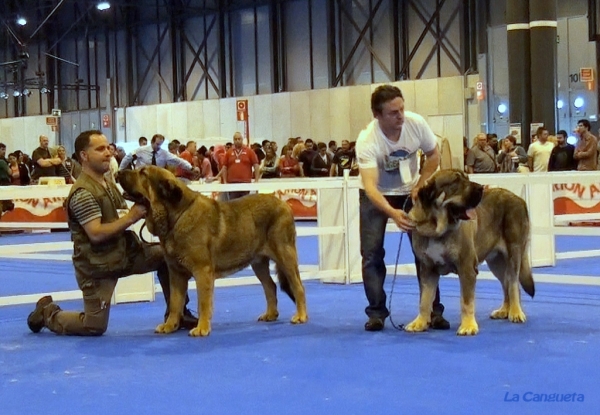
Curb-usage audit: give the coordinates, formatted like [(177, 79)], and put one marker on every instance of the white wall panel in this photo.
[(320, 115), (426, 94), (261, 121), (450, 95), (409, 94), (360, 110), (339, 115), (179, 128), (300, 115), (282, 119), (229, 124), (23, 133), (212, 118), (195, 119), (164, 121)]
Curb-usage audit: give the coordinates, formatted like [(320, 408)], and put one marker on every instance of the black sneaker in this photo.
[(438, 322), (35, 320), (374, 324), (188, 320)]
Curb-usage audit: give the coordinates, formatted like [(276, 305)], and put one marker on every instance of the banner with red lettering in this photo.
[(576, 198), (302, 201)]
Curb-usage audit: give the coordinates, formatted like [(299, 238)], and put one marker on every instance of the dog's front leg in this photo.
[(428, 283), (468, 324), (205, 287), (178, 284)]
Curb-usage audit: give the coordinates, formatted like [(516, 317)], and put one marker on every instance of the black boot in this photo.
[(188, 320), (35, 320), (438, 322)]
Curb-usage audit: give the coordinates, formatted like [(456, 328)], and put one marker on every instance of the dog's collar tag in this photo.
[(405, 171)]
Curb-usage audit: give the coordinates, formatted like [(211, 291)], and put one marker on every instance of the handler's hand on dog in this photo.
[(137, 212), (403, 221)]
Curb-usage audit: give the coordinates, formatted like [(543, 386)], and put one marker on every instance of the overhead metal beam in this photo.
[(361, 35)]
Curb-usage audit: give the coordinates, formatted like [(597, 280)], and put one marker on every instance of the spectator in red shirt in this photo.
[(203, 163), (239, 162), (187, 155), (289, 166)]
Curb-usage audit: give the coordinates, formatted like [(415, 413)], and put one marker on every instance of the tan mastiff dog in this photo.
[(207, 239), (458, 226)]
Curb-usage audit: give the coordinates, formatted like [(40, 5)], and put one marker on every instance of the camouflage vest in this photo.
[(93, 259)]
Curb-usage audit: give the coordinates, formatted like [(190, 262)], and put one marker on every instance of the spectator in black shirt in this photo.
[(561, 158)]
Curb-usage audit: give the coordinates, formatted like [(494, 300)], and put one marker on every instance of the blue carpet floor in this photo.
[(328, 366)]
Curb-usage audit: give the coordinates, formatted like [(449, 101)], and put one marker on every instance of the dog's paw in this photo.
[(268, 316), (202, 330), (517, 316), (499, 314), (165, 328), (299, 319), (419, 324), (468, 328)]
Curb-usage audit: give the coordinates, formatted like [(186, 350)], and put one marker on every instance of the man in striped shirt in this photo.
[(103, 249)]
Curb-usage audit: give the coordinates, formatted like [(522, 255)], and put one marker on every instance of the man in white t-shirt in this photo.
[(538, 154), (386, 152)]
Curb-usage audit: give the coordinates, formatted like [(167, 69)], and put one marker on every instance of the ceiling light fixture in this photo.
[(103, 5), (21, 21)]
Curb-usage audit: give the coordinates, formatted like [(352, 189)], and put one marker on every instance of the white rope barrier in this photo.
[(337, 225)]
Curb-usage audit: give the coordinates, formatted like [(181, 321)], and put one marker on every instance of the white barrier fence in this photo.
[(339, 259)]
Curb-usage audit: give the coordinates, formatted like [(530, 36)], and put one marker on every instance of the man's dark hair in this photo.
[(82, 142), (113, 145), (202, 150), (2, 145), (563, 133), (309, 140), (383, 94), (142, 139), (158, 137), (512, 139), (585, 123), (265, 142), (332, 143), (321, 145)]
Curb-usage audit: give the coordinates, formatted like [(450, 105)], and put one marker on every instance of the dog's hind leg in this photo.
[(497, 265), (205, 287), (261, 269), (515, 312), (427, 287), (288, 273)]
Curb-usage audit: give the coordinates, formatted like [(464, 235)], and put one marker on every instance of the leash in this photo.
[(394, 325), (141, 234)]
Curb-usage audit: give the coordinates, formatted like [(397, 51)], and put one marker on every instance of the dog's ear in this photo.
[(426, 194), (169, 191)]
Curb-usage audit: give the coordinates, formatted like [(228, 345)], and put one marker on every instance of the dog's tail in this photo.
[(284, 282), (525, 276)]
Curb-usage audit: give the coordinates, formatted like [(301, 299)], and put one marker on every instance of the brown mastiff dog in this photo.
[(207, 239), (458, 226)]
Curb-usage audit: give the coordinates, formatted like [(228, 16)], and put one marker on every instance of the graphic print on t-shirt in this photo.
[(399, 168)]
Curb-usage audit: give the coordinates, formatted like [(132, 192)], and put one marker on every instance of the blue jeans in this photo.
[(372, 232)]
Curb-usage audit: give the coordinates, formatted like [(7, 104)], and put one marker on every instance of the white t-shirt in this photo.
[(540, 153), (397, 161)]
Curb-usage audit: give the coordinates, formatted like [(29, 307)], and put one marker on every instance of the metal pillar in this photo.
[(542, 30), (519, 64)]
